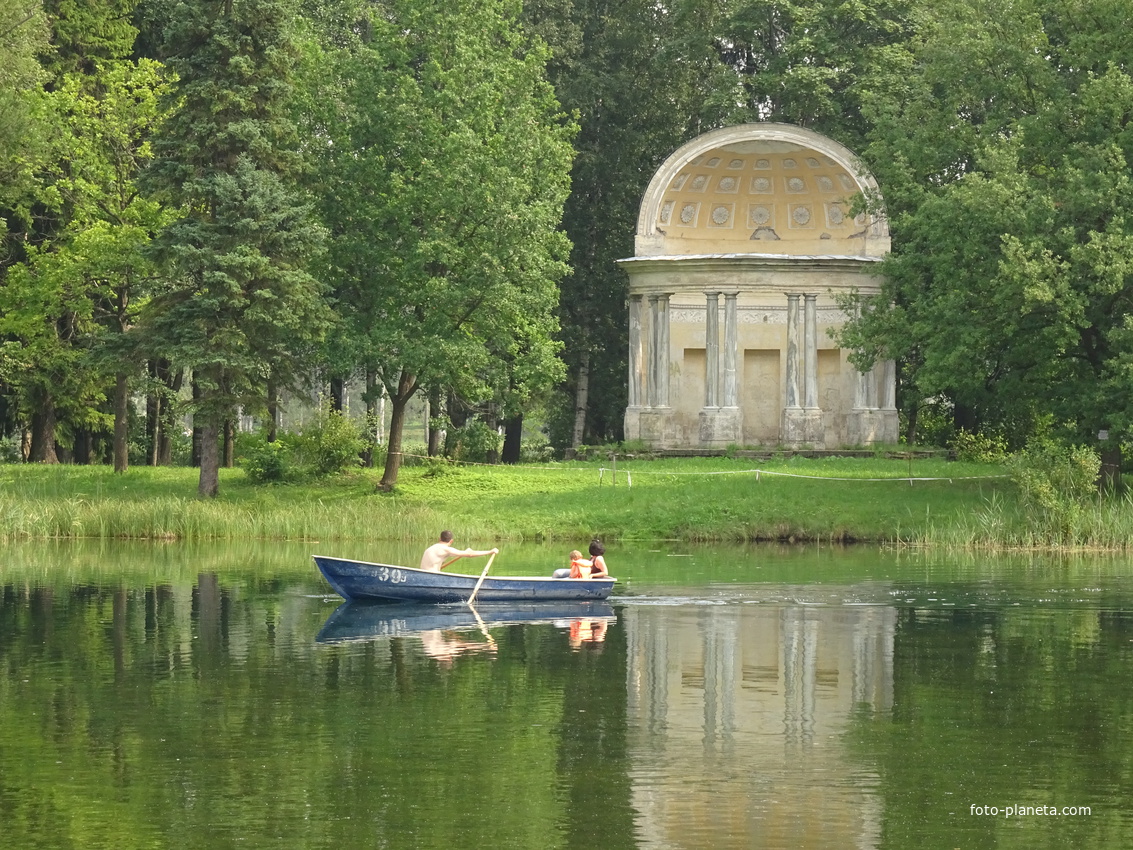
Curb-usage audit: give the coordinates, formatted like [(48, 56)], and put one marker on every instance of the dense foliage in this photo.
[(1005, 160), (442, 175), (205, 203)]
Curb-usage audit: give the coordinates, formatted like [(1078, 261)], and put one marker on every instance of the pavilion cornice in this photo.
[(755, 262)]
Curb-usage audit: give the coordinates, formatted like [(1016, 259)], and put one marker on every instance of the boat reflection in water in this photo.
[(449, 631)]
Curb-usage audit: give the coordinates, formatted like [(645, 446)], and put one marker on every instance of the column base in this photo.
[(866, 426), (720, 427), (631, 424), (653, 426), (890, 426), (803, 428)]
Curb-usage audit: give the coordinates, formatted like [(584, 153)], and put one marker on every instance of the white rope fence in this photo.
[(758, 473), (761, 472)]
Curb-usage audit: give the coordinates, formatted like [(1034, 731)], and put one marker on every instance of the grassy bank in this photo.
[(694, 499)]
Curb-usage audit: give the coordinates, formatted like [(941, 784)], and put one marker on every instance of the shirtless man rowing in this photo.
[(435, 556)]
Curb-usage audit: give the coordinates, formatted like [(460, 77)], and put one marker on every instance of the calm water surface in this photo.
[(220, 697)]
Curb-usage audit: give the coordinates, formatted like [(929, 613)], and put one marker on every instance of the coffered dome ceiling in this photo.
[(760, 189)]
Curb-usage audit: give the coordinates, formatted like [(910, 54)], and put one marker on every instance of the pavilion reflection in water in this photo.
[(747, 705)]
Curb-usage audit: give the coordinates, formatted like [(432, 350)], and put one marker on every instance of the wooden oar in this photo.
[(480, 621), (480, 581)]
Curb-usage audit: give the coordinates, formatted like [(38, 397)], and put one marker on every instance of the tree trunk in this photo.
[(374, 391), (195, 451), (458, 416), (337, 395), (513, 438), (965, 417), (43, 432), (153, 416), (82, 447), (1109, 476), (393, 444), (273, 410), (229, 443), (380, 427), (167, 421), (581, 400), (492, 456), (121, 422), (435, 412), (209, 484), (911, 425), (406, 386)]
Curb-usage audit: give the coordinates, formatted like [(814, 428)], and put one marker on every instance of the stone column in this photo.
[(731, 348), (712, 350), (889, 385), (890, 426), (653, 420), (662, 358), (861, 389), (810, 383), (652, 381), (799, 635), (635, 360), (720, 425), (793, 399), (802, 426)]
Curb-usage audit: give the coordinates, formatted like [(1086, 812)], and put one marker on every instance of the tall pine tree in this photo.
[(239, 309)]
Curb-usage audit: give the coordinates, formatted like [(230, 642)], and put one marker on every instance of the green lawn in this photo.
[(846, 499)]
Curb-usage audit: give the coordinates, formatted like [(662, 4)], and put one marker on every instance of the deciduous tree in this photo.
[(445, 167), (68, 304), (1006, 164)]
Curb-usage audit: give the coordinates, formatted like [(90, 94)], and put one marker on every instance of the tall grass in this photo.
[(174, 518), (705, 499), (967, 505), (1105, 524)]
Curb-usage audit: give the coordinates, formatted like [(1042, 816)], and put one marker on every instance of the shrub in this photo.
[(263, 462), (476, 442), (333, 444), (536, 450), (1056, 482), (11, 450), (979, 448)]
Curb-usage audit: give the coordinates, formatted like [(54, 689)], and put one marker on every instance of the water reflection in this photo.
[(737, 714), (224, 698), (444, 630), (367, 620)]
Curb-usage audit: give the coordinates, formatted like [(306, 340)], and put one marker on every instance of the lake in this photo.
[(219, 696)]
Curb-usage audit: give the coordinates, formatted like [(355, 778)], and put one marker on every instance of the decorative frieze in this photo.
[(752, 315)]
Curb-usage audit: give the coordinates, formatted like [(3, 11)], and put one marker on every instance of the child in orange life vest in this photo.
[(579, 566)]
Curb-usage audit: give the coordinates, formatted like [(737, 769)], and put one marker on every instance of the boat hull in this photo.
[(364, 580)]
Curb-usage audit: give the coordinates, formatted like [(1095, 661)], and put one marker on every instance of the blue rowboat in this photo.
[(363, 621), (364, 580)]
